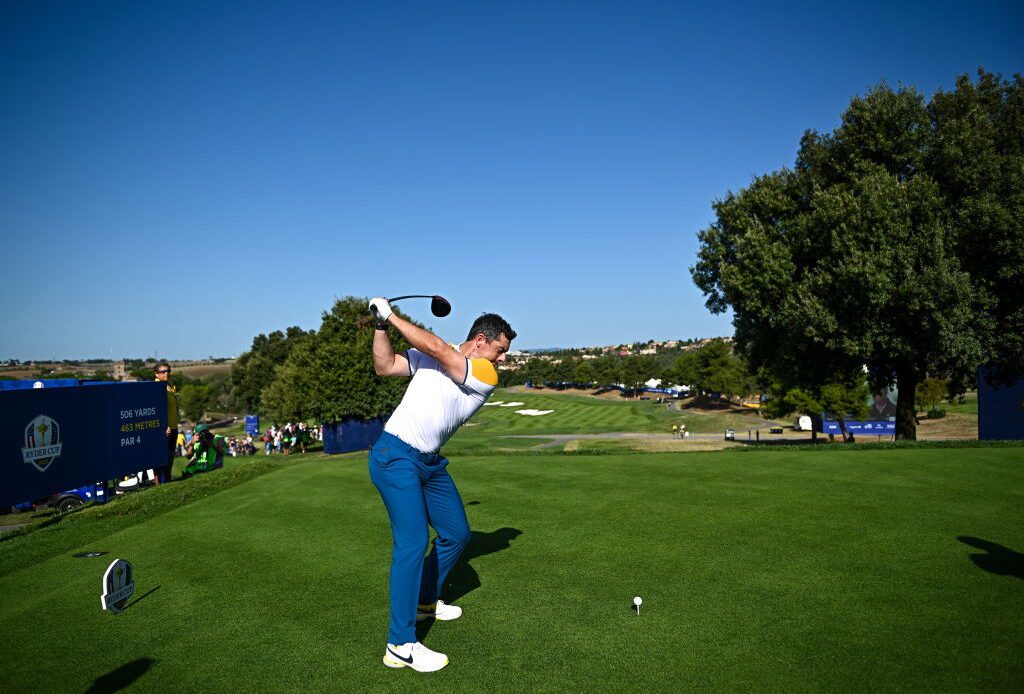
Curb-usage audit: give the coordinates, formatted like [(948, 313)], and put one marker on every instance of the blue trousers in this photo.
[(417, 490)]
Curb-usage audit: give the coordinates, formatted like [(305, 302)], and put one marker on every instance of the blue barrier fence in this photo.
[(57, 438), (351, 434)]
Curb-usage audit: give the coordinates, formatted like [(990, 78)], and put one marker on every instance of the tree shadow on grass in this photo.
[(463, 578), (998, 559), (122, 677)]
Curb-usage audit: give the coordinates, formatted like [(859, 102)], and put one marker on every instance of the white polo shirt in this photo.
[(435, 406)]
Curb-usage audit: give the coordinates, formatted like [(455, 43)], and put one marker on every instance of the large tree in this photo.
[(329, 376), (860, 256), (254, 370)]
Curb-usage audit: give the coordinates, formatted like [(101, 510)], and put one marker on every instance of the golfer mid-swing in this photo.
[(448, 385)]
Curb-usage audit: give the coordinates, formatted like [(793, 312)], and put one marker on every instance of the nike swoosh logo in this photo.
[(404, 660)]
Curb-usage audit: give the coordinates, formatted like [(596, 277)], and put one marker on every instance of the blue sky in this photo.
[(180, 176)]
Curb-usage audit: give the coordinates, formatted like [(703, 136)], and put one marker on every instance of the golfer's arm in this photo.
[(430, 344), (385, 361)]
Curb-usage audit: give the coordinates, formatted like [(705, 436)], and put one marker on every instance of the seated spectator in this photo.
[(204, 450)]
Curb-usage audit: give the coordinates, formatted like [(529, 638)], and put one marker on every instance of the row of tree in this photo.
[(896, 242), (714, 367)]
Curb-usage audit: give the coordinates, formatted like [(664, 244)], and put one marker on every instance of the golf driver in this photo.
[(439, 306)]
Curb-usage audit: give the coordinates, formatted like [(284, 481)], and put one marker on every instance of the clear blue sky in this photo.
[(179, 176)]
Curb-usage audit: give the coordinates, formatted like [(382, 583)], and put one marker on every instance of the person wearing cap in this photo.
[(205, 451)]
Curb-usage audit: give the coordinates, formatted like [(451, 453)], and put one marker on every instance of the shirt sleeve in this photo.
[(481, 376), (415, 358)]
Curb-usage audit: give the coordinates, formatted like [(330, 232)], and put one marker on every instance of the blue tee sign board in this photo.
[(52, 439)]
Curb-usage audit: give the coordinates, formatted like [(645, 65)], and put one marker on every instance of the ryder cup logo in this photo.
[(42, 442), (118, 586)]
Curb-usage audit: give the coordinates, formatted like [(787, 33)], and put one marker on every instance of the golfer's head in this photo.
[(162, 371), (490, 338)]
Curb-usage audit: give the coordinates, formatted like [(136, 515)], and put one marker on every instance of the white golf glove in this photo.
[(381, 308)]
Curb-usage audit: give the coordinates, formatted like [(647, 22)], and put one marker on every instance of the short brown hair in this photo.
[(491, 326)]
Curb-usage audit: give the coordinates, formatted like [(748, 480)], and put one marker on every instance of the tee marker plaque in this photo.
[(118, 586)]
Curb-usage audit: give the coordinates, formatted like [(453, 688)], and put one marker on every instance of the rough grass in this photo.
[(865, 570), (953, 426)]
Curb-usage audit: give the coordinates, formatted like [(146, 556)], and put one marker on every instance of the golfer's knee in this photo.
[(410, 547), (458, 538)]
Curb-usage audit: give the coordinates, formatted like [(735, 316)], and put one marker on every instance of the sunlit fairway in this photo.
[(766, 570)]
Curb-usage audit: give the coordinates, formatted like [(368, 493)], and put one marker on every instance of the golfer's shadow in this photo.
[(463, 578), (998, 559)]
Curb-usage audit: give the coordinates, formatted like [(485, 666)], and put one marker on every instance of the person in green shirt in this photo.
[(205, 451)]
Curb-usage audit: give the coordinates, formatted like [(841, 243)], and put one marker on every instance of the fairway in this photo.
[(590, 415), (764, 570)]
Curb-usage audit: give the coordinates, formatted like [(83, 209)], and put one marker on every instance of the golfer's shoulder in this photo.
[(484, 371)]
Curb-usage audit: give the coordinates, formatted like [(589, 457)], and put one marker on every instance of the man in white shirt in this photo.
[(449, 384)]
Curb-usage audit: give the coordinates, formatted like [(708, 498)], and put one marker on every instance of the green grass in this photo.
[(968, 406), (588, 415), (786, 570)]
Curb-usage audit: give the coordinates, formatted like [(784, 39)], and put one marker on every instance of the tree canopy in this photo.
[(254, 370), (329, 376), (895, 243)]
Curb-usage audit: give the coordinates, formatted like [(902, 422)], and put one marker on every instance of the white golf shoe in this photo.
[(414, 655), (439, 611)]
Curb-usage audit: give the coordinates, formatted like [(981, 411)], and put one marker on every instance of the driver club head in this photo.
[(440, 307)]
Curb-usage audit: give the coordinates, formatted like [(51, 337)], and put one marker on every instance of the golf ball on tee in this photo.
[(638, 601)]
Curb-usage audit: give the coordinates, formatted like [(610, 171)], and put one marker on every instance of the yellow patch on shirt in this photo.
[(484, 372)]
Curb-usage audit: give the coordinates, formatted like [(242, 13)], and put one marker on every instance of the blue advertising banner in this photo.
[(829, 426), (53, 439)]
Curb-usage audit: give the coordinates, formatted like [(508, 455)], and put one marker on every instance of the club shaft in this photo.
[(411, 296)]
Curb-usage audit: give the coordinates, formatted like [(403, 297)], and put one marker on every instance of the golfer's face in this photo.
[(493, 351)]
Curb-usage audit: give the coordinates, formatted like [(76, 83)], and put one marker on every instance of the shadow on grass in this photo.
[(463, 578), (142, 597), (122, 677), (998, 559)]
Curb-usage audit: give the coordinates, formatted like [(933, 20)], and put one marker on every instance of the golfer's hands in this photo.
[(381, 308)]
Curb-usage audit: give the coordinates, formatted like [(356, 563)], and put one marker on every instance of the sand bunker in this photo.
[(511, 404), (533, 413)]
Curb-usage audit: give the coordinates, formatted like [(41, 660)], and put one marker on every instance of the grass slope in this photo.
[(772, 570)]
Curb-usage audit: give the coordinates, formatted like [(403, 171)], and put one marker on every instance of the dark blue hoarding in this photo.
[(351, 434), (252, 424), (52, 439), (1000, 409)]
